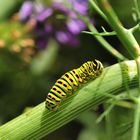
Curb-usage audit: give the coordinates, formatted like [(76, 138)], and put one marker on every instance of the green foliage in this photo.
[(107, 108)]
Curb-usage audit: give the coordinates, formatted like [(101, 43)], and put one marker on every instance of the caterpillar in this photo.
[(70, 81)]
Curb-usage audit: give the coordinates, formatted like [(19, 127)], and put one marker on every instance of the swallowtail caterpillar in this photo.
[(70, 81)]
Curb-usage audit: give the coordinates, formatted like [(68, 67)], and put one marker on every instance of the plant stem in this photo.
[(38, 122), (98, 10), (125, 36), (136, 121), (101, 34), (137, 108), (135, 28), (100, 39), (137, 10), (104, 43)]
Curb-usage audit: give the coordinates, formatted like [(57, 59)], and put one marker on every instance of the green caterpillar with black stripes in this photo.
[(70, 81)]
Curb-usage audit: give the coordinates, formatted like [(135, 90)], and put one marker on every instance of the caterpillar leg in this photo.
[(51, 105)]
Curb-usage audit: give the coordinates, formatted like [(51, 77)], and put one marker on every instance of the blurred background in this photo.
[(42, 39)]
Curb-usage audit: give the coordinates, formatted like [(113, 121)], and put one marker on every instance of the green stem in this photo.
[(100, 34), (98, 10), (125, 36), (38, 122), (104, 43), (105, 113), (136, 121), (137, 109), (101, 40), (137, 10), (138, 69), (135, 28)]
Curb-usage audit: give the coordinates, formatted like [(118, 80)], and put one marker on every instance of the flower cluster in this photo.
[(55, 21)]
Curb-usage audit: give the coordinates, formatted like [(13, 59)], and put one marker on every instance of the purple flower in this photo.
[(75, 26), (80, 6), (26, 10), (66, 38), (56, 21)]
